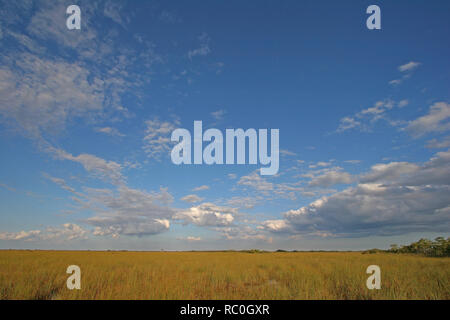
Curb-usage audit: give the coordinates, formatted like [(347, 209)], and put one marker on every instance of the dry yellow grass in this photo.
[(220, 275)]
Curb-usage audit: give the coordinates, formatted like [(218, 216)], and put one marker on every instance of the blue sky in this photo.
[(86, 117)]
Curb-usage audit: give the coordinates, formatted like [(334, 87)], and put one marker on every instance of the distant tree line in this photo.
[(439, 247)]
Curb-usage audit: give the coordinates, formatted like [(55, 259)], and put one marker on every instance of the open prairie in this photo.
[(220, 275)]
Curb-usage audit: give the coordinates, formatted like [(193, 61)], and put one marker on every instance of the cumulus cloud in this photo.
[(437, 120), (124, 211), (389, 172), (391, 199), (207, 214), (134, 226), (276, 225), (128, 211)]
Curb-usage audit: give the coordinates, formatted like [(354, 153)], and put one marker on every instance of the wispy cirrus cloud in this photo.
[(201, 188), (219, 114), (43, 91), (109, 171), (110, 131), (157, 141), (204, 48), (407, 70), (68, 232)]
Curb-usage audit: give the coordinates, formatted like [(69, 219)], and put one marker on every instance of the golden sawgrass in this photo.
[(220, 275)]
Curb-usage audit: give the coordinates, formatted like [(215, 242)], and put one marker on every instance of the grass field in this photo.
[(221, 275)]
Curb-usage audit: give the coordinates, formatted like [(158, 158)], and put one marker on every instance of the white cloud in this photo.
[(320, 164), (41, 93), (287, 153), (406, 69), (110, 131), (244, 202), (389, 172), (261, 189), (112, 10), (204, 48), (394, 198), (192, 198), (21, 235), (68, 232), (353, 161), (366, 118), (62, 183), (128, 211), (218, 115), (51, 93), (254, 180), (3, 185), (49, 23), (207, 214), (408, 66), (403, 103), (241, 232), (201, 188), (396, 82), (437, 120), (331, 178), (276, 225), (116, 226), (434, 143), (348, 123), (169, 17), (107, 170), (157, 141)]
